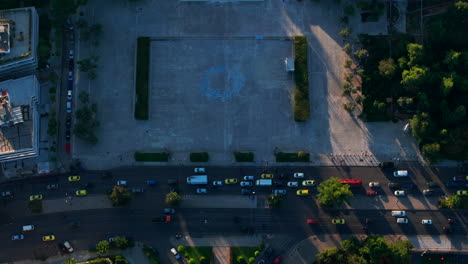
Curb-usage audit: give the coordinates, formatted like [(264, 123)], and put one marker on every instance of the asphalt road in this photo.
[(135, 220)]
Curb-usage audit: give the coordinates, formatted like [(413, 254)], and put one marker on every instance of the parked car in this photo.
[(402, 220), (277, 260), (17, 237), (302, 192), (52, 186), (293, 184), (338, 221), (426, 222), (199, 170), (387, 165), (67, 134), (279, 191), (169, 211), (71, 54), (371, 193), (266, 176), (217, 183), (151, 182), (70, 76), (81, 193), (428, 192), (393, 185), (68, 246), (246, 183), (398, 213), (249, 178), (121, 183), (138, 190), (201, 190), (246, 191), (7, 194), (432, 185), (311, 221), (69, 107), (298, 175), (74, 178), (374, 184), (69, 95), (68, 122), (399, 193), (175, 253), (462, 192), (453, 184), (460, 178), (308, 183), (230, 181)]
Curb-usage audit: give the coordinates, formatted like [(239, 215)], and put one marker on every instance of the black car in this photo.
[(71, 65), (67, 134), (393, 185), (279, 184), (68, 122), (409, 186), (159, 219), (246, 191)]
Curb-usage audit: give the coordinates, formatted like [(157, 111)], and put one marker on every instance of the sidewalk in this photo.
[(72, 203)]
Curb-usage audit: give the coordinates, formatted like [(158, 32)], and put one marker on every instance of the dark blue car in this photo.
[(453, 185)]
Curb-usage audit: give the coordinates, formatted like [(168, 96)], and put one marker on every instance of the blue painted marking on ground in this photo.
[(235, 81)]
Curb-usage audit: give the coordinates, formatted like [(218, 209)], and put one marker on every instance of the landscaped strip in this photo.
[(301, 77), (199, 157), (197, 255), (142, 78), (300, 156), (243, 255), (151, 254), (244, 156), (155, 157)]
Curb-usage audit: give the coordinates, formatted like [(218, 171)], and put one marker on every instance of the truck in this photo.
[(197, 179), (264, 182)]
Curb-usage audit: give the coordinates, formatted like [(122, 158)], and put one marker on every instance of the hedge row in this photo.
[(142, 78), (199, 157), (293, 157), (159, 156), (301, 77), (244, 156)]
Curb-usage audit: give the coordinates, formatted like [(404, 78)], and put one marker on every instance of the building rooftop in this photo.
[(17, 33)]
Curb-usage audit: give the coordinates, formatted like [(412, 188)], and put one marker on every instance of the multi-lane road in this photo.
[(135, 219)]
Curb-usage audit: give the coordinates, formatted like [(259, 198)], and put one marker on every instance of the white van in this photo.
[(402, 220), (400, 173), (27, 228), (398, 213)]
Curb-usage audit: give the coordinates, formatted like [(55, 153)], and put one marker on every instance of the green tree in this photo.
[(387, 68), (119, 259), (453, 59), (332, 192), (274, 200), (121, 242), (347, 48), (61, 9), (405, 102), (241, 260), (331, 256), (70, 261), (374, 248), (345, 32), (83, 97), (351, 245), (88, 64), (447, 85), (403, 63), (451, 202), (102, 247), (431, 152), (414, 78), (173, 199), (349, 106), (120, 196), (401, 251), (361, 54), (181, 249), (52, 127), (421, 126), (415, 54), (348, 63)]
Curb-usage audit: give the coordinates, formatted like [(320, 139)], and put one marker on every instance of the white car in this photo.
[(249, 178), (68, 246), (69, 95), (176, 254), (199, 170), (122, 183), (279, 191), (399, 193), (217, 183), (246, 183), (426, 222), (298, 175), (402, 220), (398, 213), (293, 184), (374, 184), (69, 107)]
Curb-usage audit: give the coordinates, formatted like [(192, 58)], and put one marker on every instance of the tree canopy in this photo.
[(332, 192)]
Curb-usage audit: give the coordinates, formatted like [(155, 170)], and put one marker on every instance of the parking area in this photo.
[(215, 88)]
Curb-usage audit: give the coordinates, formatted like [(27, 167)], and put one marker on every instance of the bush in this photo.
[(251, 260), (158, 157), (348, 63), (181, 249), (301, 77), (191, 261), (451, 202), (349, 10), (292, 157), (142, 78), (345, 32), (199, 157), (350, 106), (244, 156), (120, 196), (173, 199), (346, 89), (149, 252), (35, 206)]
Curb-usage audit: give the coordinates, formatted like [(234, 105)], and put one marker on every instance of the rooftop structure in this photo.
[(19, 118), (19, 37)]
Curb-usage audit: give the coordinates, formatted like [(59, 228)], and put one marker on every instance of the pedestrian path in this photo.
[(72, 203)]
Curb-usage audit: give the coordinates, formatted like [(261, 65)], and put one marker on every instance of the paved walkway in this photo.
[(73, 203), (221, 201)]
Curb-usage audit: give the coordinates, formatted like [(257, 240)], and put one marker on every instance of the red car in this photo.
[(312, 221), (67, 148), (371, 193), (277, 260), (168, 219)]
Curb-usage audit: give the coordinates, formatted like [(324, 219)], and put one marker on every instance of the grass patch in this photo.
[(199, 157), (117, 259), (244, 156), (197, 255), (35, 206), (301, 77), (239, 253), (159, 156), (142, 78), (151, 254), (300, 156)]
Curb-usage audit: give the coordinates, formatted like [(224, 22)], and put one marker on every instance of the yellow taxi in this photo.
[(302, 192), (35, 197), (81, 192), (230, 181), (266, 176), (48, 238), (74, 178)]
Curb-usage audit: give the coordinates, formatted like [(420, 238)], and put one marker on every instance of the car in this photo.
[(386, 164), (298, 175), (338, 221), (230, 181), (69, 95), (217, 183), (432, 185), (266, 176), (71, 54), (308, 183), (52, 186), (71, 65), (302, 192), (35, 197), (409, 186), (279, 183), (371, 193), (402, 220), (199, 170), (151, 182), (426, 222), (111, 239), (81, 192), (453, 185), (311, 221), (74, 178), (48, 238), (68, 122), (277, 260), (460, 178), (399, 193), (68, 246), (249, 178), (70, 76), (7, 194), (462, 192), (169, 211), (69, 107), (398, 213), (121, 183), (159, 219), (293, 184), (374, 184), (138, 190), (17, 237), (246, 191), (246, 183), (67, 147), (70, 85), (279, 192), (175, 253), (400, 173), (67, 134), (71, 38), (167, 219), (201, 190), (393, 185), (428, 192)]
